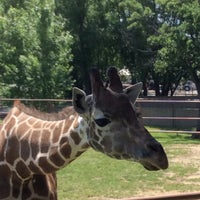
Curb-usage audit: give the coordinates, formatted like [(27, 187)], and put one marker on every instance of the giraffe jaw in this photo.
[(154, 166), (150, 167)]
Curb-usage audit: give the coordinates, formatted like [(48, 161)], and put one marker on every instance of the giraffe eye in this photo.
[(102, 122)]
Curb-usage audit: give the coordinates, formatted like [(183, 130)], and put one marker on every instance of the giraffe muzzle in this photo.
[(155, 157)]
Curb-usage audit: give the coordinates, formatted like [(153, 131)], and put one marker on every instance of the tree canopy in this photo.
[(35, 51), (48, 46)]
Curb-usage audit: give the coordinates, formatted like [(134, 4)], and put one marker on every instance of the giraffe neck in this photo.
[(64, 149), (40, 147), (32, 149)]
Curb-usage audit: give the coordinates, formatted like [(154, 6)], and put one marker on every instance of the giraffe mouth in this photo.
[(155, 158), (150, 166)]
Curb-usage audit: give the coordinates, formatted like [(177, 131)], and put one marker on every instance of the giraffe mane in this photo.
[(56, 116)]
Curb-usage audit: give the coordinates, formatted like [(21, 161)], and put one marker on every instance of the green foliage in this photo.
[(178, 39), (35, 52), (42, 40), (93, 26)]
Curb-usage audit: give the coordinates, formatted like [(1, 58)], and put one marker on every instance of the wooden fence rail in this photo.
[(23, 99), (183, 196), (139, 100)]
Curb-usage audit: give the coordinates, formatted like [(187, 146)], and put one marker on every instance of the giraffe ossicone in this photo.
[(34, 145)]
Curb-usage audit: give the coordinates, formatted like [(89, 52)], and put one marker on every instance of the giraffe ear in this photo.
[(78, 100), (114, 80), (133, 91)]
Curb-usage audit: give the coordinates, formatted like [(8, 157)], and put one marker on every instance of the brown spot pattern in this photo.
[(79, 153), (66, 150), (35, 141), (56, 133), (45, 165), (30, 120), (56, 159), (85, 146), (67, 125), (4, 183), (40, 185), (22, 170), (16, 185), (25, 150), (22, 129), (26, 192), (75, 137), (34, 168), (12, 152), (45, 136), (10, 124)]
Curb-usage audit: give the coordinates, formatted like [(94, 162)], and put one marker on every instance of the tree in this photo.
[(178, 39), (159, 34), (95, 38), (35, 52), (141, 23), (76, 12), (105, 36), (156, 39)]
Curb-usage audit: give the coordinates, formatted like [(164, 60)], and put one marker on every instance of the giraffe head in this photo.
[(113, 126)]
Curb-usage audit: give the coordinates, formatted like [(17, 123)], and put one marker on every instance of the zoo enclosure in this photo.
[(171, 113), (181, 113)]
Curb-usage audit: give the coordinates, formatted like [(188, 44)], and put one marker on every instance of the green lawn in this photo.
[(95, 176)]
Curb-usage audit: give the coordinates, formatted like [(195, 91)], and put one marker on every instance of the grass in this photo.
[(95, 176)]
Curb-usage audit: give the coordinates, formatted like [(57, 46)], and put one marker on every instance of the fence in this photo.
[(184, 196), (172, 113), (48, 105)]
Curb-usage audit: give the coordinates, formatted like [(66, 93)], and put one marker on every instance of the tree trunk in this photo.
[(145, 90), (197, 82), (195, 135), (157, 87)]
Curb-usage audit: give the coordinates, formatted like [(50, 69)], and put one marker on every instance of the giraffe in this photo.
[(34, 144)]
